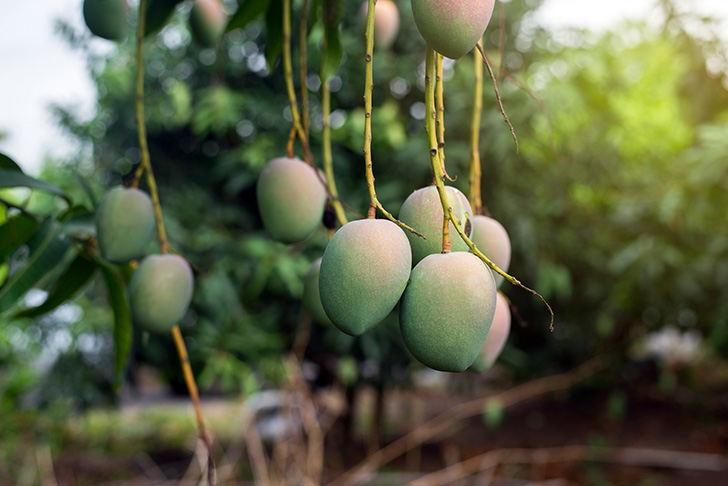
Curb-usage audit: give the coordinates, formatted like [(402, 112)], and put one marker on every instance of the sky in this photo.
[(40, 69)]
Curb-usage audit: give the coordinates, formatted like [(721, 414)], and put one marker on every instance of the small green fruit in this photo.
[(492, 239), (106, 18), (422, 211), (452, 27), (124, 224), (160, 291), (312, 296), (207, 21), (447, 310), (291, 199), (364, 271), (497, 336)]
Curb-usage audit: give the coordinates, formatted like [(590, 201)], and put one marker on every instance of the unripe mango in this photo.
[(160, 291), (452, 27), (497, 336), (364, 271), (106, 18), (492, 239), (311, 295), (291, 199), (124, 224), (386, 22), (207, 21), (422, 211), (447, 310)]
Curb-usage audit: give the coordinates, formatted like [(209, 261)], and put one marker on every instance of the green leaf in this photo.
[(274, 32), (315, 15), (78, 273), (13, 178), (122, 320), (493, 413), (332, 55), (87, 189), (9, 164), (248, 10), (45, 250), (15, 232), (158, 14)]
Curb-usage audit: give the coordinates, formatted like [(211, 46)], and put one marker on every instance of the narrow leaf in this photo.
[(13, 178), (9, 164), (45, 250), (247, 11), (274, 32), (333, 54), (158, 14), (78, 273), (122, 320), (87, 189), (15, 232)]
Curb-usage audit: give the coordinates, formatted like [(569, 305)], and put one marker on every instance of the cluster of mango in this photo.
[(449, 304)]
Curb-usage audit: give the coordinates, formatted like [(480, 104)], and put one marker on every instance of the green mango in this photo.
[(492, 239), (447, 310), (422, 211), (291, 199), (452, 27), (364, 271), (106, 18), (125, 224), (207, 21), (496, 339), (160, 292)]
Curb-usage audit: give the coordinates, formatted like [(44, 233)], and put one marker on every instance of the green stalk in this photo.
[(475, 169), (303, 69), (368, 90), (146, 166), (435, 164), (327, 156)]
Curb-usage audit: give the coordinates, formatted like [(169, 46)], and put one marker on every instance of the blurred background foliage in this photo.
[(615, 203)]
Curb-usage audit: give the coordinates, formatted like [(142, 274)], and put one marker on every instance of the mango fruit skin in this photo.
[(291, 199), (496, 339), (364, 271), (311, 295), (208, 21), (386, 22), (422, 211), (447, 310), (125, 224), (160, 292), (492, 239), (452, 27), (106, 18)]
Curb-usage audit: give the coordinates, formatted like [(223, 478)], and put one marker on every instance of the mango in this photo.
[(422, 211), (496, 339), (364, 271), (291, 199), (452, 27), (125, 224), (386, 22), (208, 21), (447, 310), (106, 18), (492, 239), (312, 296), (160, 291)]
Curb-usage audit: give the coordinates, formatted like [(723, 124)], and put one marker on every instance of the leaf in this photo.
[(274, 32), (332, 55), (9, 164), (15, 232), (78, 273), (247, 11), (13, 178), (158, 14), (46, 249), (87, 189), (315, 15), (123, 331)]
